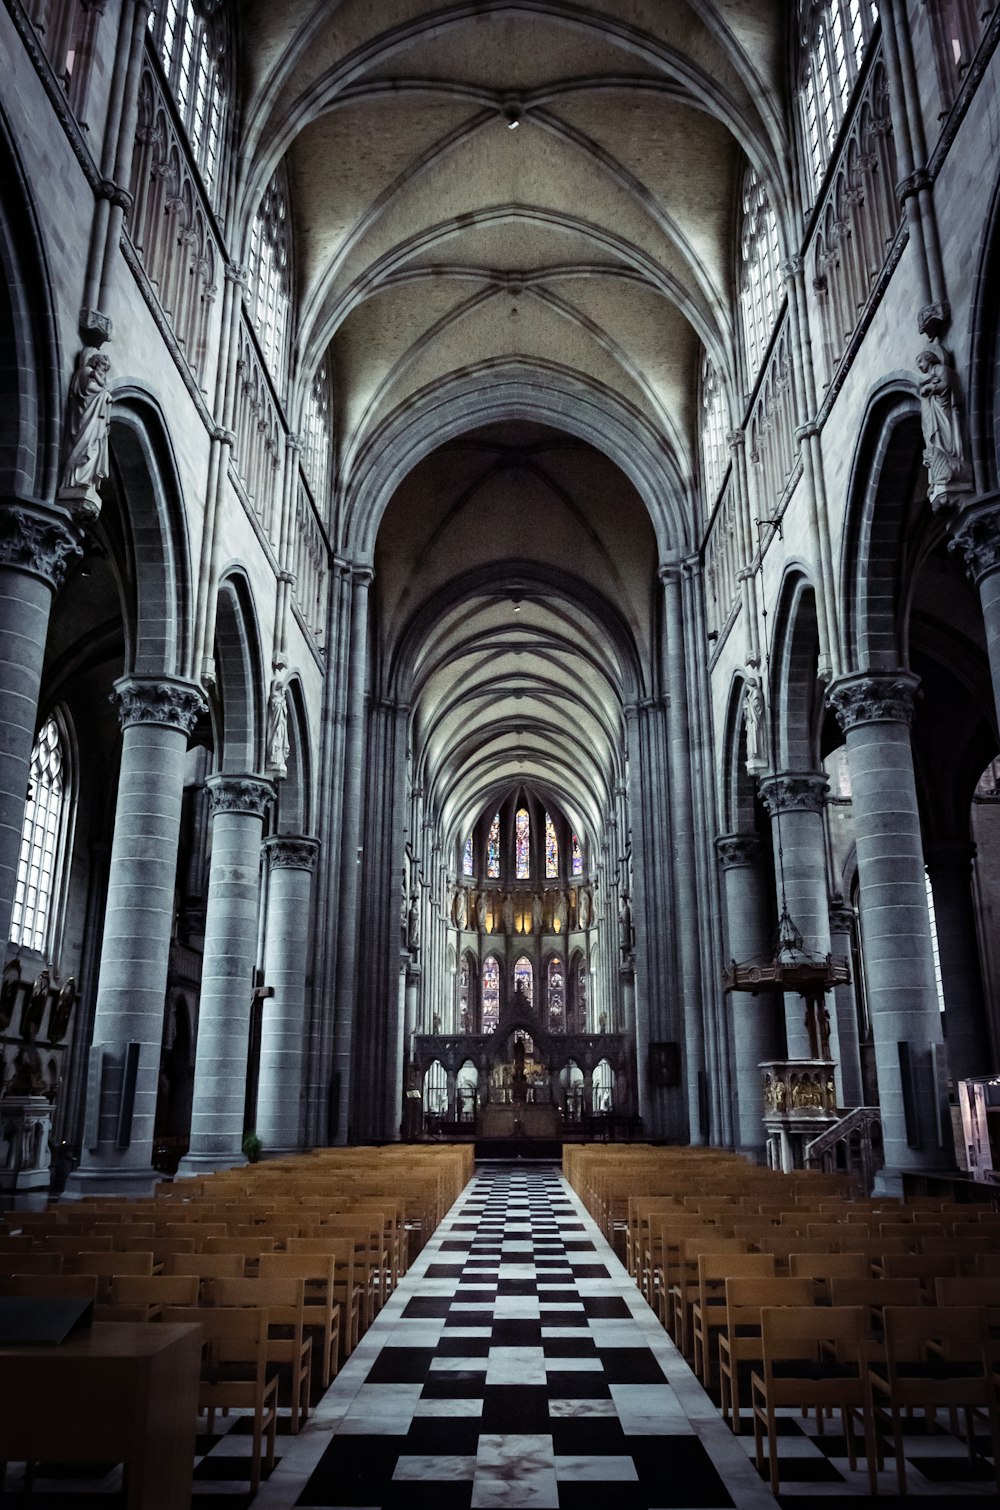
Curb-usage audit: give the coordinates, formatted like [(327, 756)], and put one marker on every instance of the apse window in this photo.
[(42, 837)]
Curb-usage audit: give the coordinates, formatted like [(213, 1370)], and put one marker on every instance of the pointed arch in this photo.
[(239, 709)]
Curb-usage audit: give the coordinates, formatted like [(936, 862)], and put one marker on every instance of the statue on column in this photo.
[(481, 911), (507, 912), (537, 913), (582, 907), (88, 422), (461, 912), (413, 924), (948, 471), (277, 719), (562, 911), (625, 923), (754, 719)]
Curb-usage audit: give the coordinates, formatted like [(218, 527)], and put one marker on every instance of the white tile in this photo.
[(571, 1409), (574, 1365), (421, 1469), (516, 1365), (459, 1365), (621, 1469), (457, 1407)]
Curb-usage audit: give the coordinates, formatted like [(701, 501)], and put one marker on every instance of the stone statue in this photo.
[(277, 719), (582, 907), (34, 1010), (481, 911), (625, 922), (753, 714), (507, 912), (28, 1078), (8, 992), (88, 421), (413, 924), (461, 907), (62, 1011), (561, 911), (941, 421), (537, 913)]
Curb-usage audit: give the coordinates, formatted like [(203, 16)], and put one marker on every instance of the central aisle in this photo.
[(516, 1365)]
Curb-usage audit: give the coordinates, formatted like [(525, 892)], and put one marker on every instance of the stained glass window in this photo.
[(41, 833), (577, 857), (491, 995), (522, 836), (579, 1014), (551, 850), (524, 976), (464, 982), (467, 857), (493, 850), (556, 994)]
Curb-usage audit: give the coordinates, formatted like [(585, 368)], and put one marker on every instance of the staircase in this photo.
[(853, 1145)]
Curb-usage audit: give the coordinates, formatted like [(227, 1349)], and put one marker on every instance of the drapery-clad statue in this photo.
[(537, 913), (561, 911), (507, 912), (753, 712), (461, 907), (88, 421), (413, 923), (277, 719), (582, 907), (481, 911), (945, 457)]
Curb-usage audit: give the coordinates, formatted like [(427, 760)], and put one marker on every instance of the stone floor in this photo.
[(517, 1365)]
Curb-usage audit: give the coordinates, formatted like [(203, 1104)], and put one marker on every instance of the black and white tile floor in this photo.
[(518, 1365)]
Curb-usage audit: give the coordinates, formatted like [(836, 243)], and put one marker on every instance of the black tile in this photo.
[(677, 1471), (591, 1494), (462, 1347), (453, 1386), (606, 1307), (454, 1245), (354, 1470), (457, 1436), (469, 1318), (515, 1408), (570, 1347), (456, 1494), (590, 1271), (565, 1384), (517, 1287), (443, 1271), (798, 1470), (564, 1318), (583, 1436), (952, 1470), (512, 1332), (401, 1365), (630, 1365), (556, 1295), (434, 1306)]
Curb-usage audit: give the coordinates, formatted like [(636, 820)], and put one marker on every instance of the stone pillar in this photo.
[(37, 544), (846, 1004), (975, 533), (757, 1026), (949, 866), (291, 862), (157, 716), (238, 805), (795, 802), (874, 710)]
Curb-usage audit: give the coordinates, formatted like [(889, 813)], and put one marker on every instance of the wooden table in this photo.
[(120, 1392)]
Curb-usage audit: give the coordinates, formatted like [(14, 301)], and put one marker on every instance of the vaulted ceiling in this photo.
[(537, 193)]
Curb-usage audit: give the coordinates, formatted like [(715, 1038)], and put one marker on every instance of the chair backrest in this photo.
[(231, 1334), (78, 1242), (875, 1294), (28, 1260), (828, 1266), (714, 1269), (155, 1289), (283, 1297), (958, 1333), (315, 1267), (801, 1332), (206, 1265), (987, 1264), (53, 1286), (109, 1264), (970, 1291), (747, 1294), (927, 1267)]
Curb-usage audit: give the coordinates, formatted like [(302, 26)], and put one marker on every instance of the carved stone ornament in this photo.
[(239, 794), (794, 792), (975, 534), (36, 542), (284, 852), (156, 700), (870, 698), (735, 850), (841, 919)]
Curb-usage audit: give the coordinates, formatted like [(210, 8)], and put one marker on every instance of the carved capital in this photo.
[(736, 440), (791, 268), (95, 327), (932, 319), (291, 852), (251, 795), (238, 274), (975, 534), (158, 700), (794, 792), (841, 919), (874, 697), (37, 539), (737, 850)]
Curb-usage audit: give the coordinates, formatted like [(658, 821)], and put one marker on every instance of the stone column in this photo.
[(756, 1020), (157, 716), (875, 710), (975, 533), (846, 1014), (238, 805), (795, 802), (949, 866), (37, 544), (291, 862)]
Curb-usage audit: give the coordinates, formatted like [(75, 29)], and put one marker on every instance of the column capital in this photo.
[(239, 794), (975, 534), (841, 918), (736, 851), (38, 538), (291, 852), (794, 792), (165, 700), (870, 697)]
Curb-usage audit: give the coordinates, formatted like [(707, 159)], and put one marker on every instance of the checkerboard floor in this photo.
[(518, 1365)]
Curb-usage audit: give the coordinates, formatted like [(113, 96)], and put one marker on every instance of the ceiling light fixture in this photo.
[(512, 114)]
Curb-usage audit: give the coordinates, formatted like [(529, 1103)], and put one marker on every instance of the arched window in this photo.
[(269, 288), (436, 1090), (195, 47), (576, 1021), (316, 436), (524, 976), (555, 994), (465, 996), (467, 857), (43, 835), (577, 857), (833, 36), (493, 850), (551, 850), (522, 845), (713, 433), (491, 995), (760, 293)]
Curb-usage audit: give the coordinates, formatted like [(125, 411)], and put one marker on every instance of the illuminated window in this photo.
[(195, 48), (555, 993), (41, 842), (714, 456), (522, 845), (491, 995), (524, 976), (316, 436), (551, 850), (467, 857), (833, 36), (577, 857), (269, 289), (464, 996), (493, 850), (760, 291)]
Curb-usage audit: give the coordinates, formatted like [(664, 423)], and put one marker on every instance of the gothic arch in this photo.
[(738, 791), (984, 372), (238, 707), (295, 793), (796, 697)]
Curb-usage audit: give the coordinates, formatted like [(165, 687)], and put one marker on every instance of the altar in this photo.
[(524, 1120)]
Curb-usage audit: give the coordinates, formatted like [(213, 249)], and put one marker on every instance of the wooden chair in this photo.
[(55, 1286), (206, 1266), (235, 1374), (284, 1300), (322, 1309), (816, 1356), (75, 1243), (106, 1266), (934, 1356), (926, 1267), (739, 1342), (346, 1290), (29, 1260), (823, 1268), (249, 1249), (708, 1314), (684, 1292), (149, 1293)]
